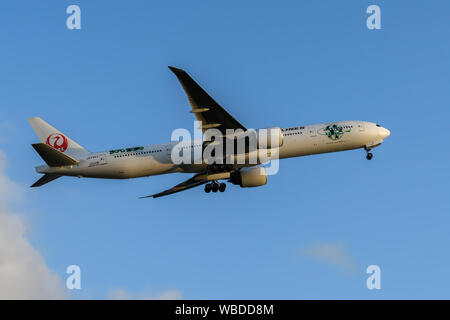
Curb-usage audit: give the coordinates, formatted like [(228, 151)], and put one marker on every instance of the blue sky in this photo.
[(269, 64)]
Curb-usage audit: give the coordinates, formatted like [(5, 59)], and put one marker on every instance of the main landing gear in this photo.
[(214, 187)]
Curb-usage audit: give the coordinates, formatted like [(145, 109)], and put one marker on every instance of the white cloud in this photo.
[(169, 295), (23, 271), (333, 253), (119, 294), (122, 294), (6, 129)]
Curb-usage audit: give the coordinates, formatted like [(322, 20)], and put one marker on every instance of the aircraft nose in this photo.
[(384, 133)]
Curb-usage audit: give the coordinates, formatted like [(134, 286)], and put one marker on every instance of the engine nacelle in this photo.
[(249, 177)]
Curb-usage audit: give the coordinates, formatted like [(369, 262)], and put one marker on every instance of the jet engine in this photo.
[(249, 177)]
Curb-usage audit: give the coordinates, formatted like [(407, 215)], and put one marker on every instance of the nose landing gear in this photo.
[(214, 187), (369, 154)]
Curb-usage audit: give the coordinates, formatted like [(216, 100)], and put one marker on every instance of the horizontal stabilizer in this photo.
[(53, 157), (46, 178)]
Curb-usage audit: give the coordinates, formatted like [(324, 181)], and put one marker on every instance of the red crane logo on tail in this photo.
[(58, 141)]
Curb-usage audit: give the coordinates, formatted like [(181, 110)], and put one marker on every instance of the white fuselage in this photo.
[(156, 159)]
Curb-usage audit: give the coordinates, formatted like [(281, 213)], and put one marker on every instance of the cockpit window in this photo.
[(378, 125)]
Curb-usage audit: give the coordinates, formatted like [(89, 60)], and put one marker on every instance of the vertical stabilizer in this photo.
[(56, 139)]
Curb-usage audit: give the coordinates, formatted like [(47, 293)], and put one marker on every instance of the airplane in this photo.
[(64, 157)]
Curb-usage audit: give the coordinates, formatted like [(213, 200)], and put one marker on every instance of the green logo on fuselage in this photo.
[(334, 131)]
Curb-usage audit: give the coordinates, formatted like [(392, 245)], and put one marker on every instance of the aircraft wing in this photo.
[(190, 183), (205, 108)]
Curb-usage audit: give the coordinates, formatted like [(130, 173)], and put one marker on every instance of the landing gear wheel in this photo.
[(369, 156), (208, 188), (222, 187), (214, 187)]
